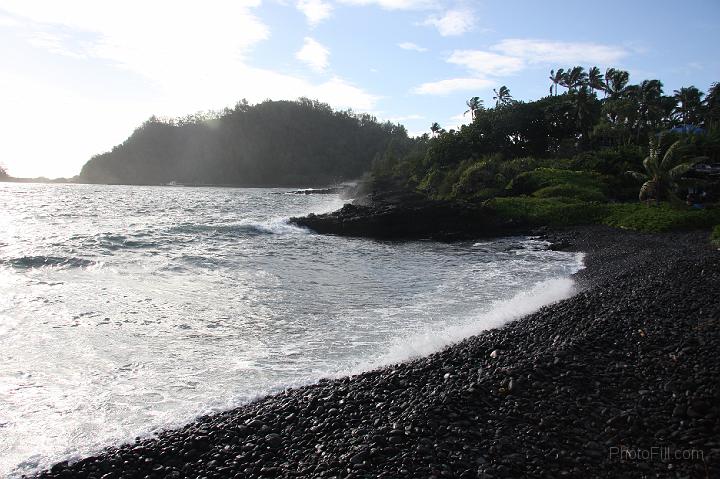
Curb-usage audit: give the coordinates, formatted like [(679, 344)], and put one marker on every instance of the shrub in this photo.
[(570, 191), (531, 181)]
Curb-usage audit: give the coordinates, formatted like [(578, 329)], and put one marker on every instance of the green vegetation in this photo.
[(542, 178), (571, 212), (661, 174), (548, 211), (274, 143), (573, 157), (663, 217), (715, 236)]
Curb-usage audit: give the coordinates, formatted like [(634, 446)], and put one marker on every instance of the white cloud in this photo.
[(515, 55), (400, 119), (396, 4), (314, 54), (411, 46), (571, 53), (53, 43), (315, 10), (487, 63), (444, 87), (453, 22), (6, 21), (164, 57), (456, 121)]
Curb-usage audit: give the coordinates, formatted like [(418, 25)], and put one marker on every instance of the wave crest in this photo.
[(500, 313), (32, 262), (242, 228)]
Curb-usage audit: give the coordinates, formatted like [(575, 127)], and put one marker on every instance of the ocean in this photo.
[(125, 310)]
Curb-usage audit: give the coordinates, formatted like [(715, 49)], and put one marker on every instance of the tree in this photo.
[(556, 77), (474, 104), (596, 81), (652, 106), (712, 106), (502, 96), (435, 128), (3, 172), (689, 105), (659, 178), (574, 78), (583, 100), (616, 81)]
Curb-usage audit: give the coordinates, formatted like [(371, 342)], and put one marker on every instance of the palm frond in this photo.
[(637, 175), (669, 157), (680, 170)]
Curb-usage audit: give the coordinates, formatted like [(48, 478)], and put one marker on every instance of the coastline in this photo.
[(629, 362)]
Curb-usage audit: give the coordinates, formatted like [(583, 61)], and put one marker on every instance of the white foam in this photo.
[(500, 313)]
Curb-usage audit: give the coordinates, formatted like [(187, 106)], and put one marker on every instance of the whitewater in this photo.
[(125, 310)]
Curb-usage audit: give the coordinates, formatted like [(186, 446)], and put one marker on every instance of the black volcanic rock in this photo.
[(419, 219)]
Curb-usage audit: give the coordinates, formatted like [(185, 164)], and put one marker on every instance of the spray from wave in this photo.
[(500, 313)]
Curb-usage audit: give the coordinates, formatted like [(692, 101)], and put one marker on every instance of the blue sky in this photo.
[(78, 76)]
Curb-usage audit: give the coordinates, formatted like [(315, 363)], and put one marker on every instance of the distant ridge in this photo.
[(274, 143)]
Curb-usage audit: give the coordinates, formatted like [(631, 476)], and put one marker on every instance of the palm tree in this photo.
[(474, 104), (689, 104), (712, 106), (435, 128), (616, 81), (661, 173), (502, 96), (596, 81), (574, 78), (582, 103), (556, 78), (649, 98)]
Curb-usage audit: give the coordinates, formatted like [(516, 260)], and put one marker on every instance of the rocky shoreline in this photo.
[(410, 216), (621, 380)]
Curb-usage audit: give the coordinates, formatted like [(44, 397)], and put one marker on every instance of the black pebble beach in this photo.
[(621, 380)]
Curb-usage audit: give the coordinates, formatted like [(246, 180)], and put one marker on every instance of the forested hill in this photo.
[(274, 143)]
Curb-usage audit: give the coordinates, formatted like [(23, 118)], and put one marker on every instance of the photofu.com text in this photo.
[(655, 453)]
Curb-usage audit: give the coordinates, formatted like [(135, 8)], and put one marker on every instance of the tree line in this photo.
[(273, 143), (600, 122)]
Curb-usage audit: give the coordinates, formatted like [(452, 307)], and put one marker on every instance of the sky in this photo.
[(78, 76)]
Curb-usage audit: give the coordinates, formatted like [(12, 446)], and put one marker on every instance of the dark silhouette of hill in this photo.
[(274, 143)]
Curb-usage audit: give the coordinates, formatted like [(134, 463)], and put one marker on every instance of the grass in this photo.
[(535, 211), (658, 218), (548, 211), (715, 236)]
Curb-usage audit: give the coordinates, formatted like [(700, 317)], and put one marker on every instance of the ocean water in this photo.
[(125, 310)]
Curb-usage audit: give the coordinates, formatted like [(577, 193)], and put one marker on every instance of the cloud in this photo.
[(452, 22), (314, 54), (411, 46), (315, 10), (401, 118), (511, 56), (487, 63), (571, 53), (396, 4), (444, 87), (163, 57)]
